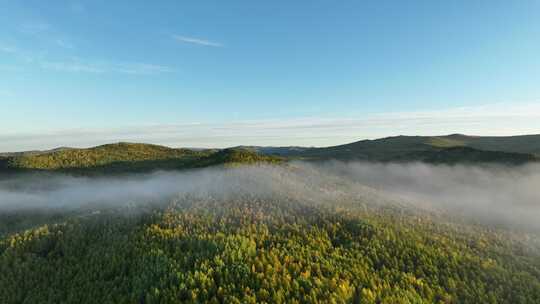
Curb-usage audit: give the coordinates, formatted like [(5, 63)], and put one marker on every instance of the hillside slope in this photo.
[(445, 149), (99, 156), (305, 239), (520, 144), (128, 157), (132, 157)]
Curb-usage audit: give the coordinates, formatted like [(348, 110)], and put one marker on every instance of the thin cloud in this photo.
[(46, 33), (485, 120), (71, 67), (197, 41), (64, 44), (97, 68), (141, 68), (28, 57), (35, 28), (79, 65), (7, 49)]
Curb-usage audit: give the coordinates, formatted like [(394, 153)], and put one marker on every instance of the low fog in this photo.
[(502, 195), (508, 196)]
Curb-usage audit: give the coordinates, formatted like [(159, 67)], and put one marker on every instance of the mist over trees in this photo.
[(291, 233)]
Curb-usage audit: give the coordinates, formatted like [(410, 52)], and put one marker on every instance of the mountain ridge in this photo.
[(137, 157), (397, 145), (125, 157)]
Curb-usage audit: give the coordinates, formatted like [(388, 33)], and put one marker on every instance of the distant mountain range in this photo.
[(132, 157), (445, 149)]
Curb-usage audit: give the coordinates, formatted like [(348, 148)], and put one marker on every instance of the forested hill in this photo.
[(256, 234), (309, 238), (455, 148), (134, 157), (128, 157), (518, 144)]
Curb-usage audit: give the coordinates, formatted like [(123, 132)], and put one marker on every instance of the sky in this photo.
[(225, 73)]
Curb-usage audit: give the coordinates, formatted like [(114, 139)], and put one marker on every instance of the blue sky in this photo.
[(219, 73)]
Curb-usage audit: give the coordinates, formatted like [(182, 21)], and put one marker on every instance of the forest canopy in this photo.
[(256, 234)]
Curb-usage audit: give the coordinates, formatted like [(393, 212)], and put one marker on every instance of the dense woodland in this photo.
[(135, 157), (127, 158), (308, 242), (449, 149)]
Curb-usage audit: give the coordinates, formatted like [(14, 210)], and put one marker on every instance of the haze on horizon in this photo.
[(221, 74)]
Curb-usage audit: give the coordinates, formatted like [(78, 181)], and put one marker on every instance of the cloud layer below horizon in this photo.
[(489, 120)]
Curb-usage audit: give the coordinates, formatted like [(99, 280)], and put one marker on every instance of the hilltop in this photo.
[(270, 234), (138, 157), (453, 148), (128, 157)]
